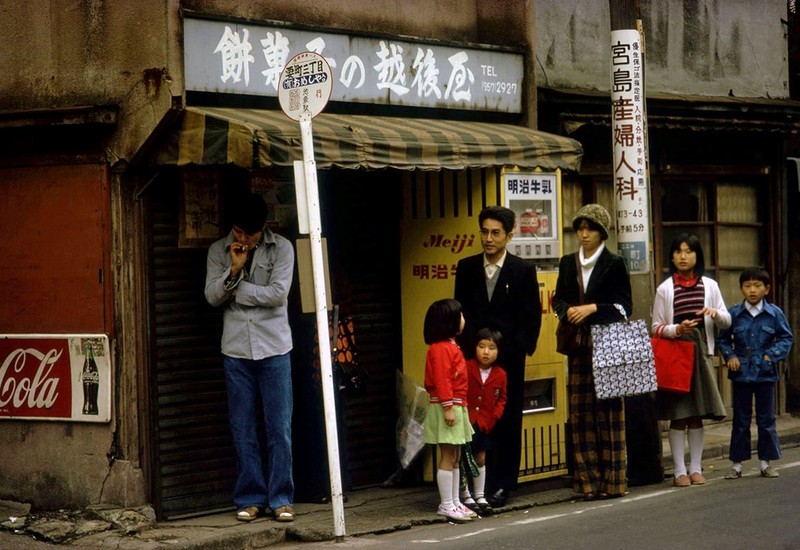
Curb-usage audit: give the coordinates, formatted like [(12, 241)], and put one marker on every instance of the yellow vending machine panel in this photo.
[(544, 448)]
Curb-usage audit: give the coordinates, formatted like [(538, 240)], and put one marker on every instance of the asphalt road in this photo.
[(747, 513)]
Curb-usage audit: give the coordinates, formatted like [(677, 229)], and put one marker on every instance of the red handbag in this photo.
[(674, 362)]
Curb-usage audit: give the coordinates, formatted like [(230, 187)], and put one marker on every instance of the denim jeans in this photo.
[(768, 443), (269, 382)]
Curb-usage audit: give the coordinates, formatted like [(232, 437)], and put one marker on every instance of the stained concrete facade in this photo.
[(710, 48)]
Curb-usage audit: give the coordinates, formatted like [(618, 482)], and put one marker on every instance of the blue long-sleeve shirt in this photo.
[(255, 322), (751, 338)]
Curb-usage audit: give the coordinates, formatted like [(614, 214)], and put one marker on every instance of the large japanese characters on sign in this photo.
[(630, 150), (249, 59), (532, 197), (55, 377)]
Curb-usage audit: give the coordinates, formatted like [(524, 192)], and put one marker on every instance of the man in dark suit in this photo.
[(501, 291)]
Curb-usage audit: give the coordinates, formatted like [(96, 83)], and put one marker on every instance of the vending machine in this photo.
[(439, 227), (535, 197)]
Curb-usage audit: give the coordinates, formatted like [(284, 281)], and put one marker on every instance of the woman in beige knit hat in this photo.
[(593, 287)]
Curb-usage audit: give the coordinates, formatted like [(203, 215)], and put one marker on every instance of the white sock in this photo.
[(466, 497), (696, 450), (479, 483), (764, 464), (677, 446), (455, 486), (737, 466), (444, 481)]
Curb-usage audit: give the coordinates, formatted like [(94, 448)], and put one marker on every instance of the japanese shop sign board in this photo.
[(55, 377), (305, 85), (631, 178), (245, 58), (532, 197)]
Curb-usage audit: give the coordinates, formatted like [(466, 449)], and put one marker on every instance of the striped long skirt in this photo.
[(598, 434)]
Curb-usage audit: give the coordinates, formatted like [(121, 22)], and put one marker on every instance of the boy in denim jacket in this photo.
[(758, 338)]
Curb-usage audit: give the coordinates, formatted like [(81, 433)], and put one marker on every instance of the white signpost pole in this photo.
[(303, 91), (328, 399)]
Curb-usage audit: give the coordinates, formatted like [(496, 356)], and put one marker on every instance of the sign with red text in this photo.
[(55, 377)]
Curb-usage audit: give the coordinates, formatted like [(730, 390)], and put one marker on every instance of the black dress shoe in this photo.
[(498, 498)]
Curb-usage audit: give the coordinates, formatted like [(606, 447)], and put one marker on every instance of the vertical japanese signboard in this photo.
[(55, 377), (631, 178)]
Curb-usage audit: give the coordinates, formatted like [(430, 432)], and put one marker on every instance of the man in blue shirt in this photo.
[(249, 273), (758, 338)]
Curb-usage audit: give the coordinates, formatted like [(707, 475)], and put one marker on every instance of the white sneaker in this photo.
[(453, 515)]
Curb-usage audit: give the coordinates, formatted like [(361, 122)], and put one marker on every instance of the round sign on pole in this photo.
[(305, 85)]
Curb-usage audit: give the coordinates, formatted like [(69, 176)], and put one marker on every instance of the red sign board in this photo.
[(55, 377)]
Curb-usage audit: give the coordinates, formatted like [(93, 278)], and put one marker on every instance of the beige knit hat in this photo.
[(595, 214)]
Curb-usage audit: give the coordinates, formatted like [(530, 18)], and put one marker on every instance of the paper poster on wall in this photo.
[(200, 216)]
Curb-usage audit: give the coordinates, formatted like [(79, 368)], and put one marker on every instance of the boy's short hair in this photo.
[(504, 215), (755, 274), (442, 320), (489, 334)]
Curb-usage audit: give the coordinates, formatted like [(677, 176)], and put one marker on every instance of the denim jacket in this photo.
[(751, 338)]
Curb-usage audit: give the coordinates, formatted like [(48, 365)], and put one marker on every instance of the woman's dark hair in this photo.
[(755, 274), (694, 246), (593, 225), (489, 334), (442, 321)]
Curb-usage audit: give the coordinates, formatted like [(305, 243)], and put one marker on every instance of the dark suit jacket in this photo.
[(609, 284), (515, 309)]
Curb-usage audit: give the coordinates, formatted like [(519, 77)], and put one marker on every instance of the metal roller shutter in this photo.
[(194, 462)]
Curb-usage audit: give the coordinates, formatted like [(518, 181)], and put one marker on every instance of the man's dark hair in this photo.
[(755, 274), (694, 246), (501, 214), (249, 213)]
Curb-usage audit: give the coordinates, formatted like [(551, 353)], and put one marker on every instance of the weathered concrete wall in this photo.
[(713, 48), (53, 464), (499, 22), (60, 54)]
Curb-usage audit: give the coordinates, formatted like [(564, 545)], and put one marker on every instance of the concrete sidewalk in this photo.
[(368, 511)]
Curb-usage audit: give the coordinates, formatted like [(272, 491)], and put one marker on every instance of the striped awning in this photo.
[(252, 138)]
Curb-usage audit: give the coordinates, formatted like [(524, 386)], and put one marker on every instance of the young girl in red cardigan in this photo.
[(447, 422), (486, 395)]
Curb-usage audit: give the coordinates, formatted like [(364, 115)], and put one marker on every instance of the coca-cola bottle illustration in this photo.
[(90, 378)]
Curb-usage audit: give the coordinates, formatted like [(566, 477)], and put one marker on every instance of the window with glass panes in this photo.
[(727, 213)]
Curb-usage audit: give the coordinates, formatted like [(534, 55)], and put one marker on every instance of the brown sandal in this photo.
[(284, 513)]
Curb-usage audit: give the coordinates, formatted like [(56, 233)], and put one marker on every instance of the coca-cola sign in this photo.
[(55, 377)]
